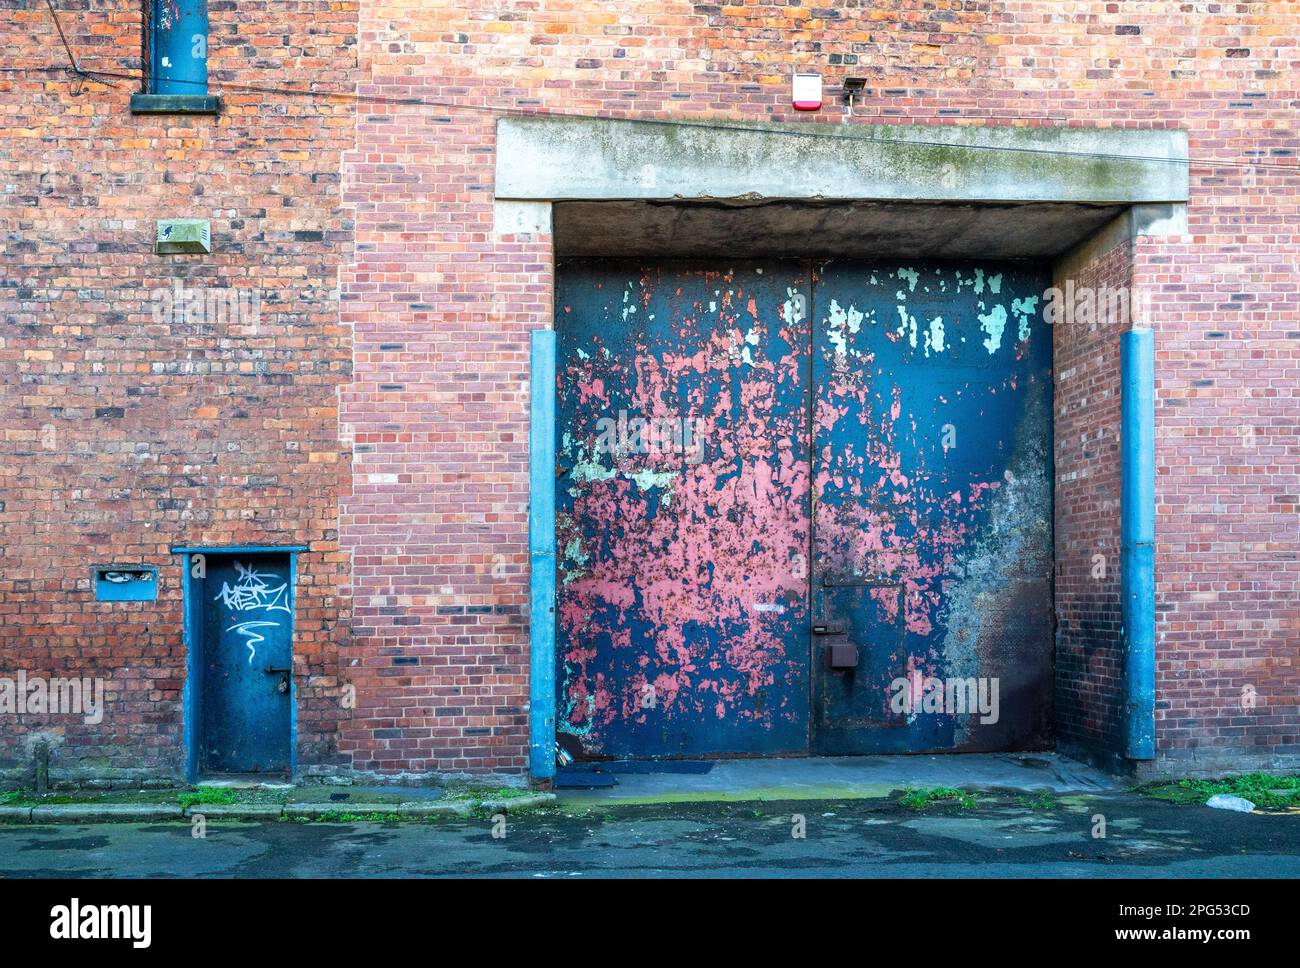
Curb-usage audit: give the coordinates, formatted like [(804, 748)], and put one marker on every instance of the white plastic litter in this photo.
[(1222, 801)]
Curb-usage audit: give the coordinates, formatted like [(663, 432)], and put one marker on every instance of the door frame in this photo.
[(192, 610), (545, 162)]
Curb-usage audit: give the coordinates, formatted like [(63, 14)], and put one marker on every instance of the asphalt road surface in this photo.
[(1005, 837)]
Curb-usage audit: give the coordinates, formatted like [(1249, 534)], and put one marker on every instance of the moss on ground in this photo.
[(348, 798), (923, 798), (27, 798), (348, 816), (1261, 789), (1039, 800)]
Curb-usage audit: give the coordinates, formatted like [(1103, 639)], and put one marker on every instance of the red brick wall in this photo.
[(1086, 438), (1225, 72), (124, 436), (1228, 482), (437, 518), (432, 514)]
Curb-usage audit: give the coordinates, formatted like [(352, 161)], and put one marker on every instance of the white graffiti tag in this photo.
[(253, 638), (253, 592)]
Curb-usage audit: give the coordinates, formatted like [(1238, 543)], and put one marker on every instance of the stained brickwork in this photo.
[(1227, 307), (134, 421), (386, 428), (1089, 653), (1227, 584)]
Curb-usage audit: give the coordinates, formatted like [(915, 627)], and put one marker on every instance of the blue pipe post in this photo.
[(192, 691), (1137, 540), (179, 60), (541, 556)]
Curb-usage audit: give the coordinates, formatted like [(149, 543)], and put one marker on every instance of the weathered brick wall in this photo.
[(1086, 444), (422, 179), (437, 411), (1227, 306), (223, 437), (123, 434)]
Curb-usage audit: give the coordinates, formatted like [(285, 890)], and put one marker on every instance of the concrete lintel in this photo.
[(521, 218), (819, 229), (562, 158)]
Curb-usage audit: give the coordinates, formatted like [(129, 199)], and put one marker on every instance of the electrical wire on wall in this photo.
[(142, 77)]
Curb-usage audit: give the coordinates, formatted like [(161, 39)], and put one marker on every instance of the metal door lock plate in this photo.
[(841, 654)]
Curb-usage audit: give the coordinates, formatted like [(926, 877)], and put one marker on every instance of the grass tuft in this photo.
[(348, 816), (207, 795), (1261, 789), (923, 798)]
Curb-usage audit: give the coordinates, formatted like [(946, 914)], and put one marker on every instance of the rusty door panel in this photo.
[(825, 509), (683, 541), (931, 497)]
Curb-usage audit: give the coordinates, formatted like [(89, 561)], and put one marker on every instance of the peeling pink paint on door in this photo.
[(684, 572)]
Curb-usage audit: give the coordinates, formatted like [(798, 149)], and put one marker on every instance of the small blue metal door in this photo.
[(932, 509), (247, 673)]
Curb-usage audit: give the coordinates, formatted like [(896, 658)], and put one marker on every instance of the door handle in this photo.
[(840, 652), (282, 686)]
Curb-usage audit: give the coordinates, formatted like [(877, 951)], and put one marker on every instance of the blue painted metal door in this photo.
[(247, 646), (932, 513), (682, 508), (803, 510), (179, 58)]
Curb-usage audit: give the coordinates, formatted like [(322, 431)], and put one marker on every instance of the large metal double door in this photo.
[(803, 508)]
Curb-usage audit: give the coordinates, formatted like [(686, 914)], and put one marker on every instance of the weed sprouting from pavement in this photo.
[(924, 798), (207, 795), (1262, 789)]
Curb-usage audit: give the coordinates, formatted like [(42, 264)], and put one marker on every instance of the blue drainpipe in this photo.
[(541, 556), (1137, 541), (179, 46)]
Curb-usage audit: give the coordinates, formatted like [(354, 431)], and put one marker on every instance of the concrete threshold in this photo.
[(850, 777)]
